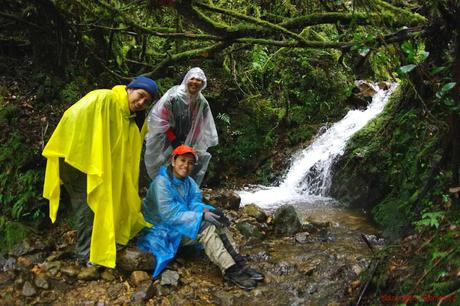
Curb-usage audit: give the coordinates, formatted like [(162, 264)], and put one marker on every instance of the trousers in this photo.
[(210, 239), (75, 184)]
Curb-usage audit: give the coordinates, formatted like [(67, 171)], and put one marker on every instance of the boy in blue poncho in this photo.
[(173, 205)]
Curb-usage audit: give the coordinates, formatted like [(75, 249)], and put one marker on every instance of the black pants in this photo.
[(75, 185)]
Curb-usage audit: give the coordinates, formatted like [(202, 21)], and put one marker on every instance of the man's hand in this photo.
[(212, 218), (223, 219)]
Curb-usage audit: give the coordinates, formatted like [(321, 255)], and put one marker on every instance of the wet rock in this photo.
[(365, 89), (52, 267), (41, 281), (169, 277), (226, 199), (357, 269), (303, 238), (260, 256), (224, 298), (309, 227), (10, 264), (374, 241), (20, 279), (6, 278), (48, 297), (88, 273), (249, 230), (283, 268), (138, 277), (107, 275), (306, 269), (28, 289), (133, 259), (115, 290), (256, 212), (323, 235), (59, 255), (28, 261), (286, 221), (144, 293), (71, 270), (31, 244), (384, 85), (362, 95)]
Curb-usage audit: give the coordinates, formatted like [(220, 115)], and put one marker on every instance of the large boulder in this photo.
[(252, 210), (286, 221), (133, 259), (249, 230), (226, 199)]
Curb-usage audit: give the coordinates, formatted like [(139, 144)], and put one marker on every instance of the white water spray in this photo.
[(309, 176)]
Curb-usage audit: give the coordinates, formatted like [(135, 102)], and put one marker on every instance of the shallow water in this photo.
[(321, 270)]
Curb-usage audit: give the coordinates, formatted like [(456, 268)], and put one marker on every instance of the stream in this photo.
[(323, 268)]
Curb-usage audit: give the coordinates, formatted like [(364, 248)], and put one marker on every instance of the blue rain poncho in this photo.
[(188, 117), (175, 209)]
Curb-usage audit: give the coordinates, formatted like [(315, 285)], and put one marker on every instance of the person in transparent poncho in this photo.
[(181, 116)]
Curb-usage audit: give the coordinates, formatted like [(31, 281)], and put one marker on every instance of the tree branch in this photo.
[(294, 43), (344, 18), (202, 52), (146, 30), (253, 20), (20, 20)]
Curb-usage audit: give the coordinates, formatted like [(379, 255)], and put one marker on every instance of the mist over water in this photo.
[(308, 178)]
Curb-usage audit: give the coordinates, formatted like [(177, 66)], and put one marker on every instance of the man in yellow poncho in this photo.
[(95, 152)]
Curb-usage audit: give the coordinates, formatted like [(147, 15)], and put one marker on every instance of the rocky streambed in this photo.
[(311, 254)]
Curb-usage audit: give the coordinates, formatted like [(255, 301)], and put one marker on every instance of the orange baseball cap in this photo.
[(183, 149)]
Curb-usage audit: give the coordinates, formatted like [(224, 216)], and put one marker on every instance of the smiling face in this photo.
[(194, 85), (138, 99), (182, 165)]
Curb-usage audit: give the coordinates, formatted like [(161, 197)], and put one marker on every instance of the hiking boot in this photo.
[(239, 277), (254, 274), (97, 267)]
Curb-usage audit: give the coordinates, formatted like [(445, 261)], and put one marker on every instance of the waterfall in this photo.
[(309, 176)]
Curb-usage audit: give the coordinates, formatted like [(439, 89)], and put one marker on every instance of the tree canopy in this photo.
[(128, 38)]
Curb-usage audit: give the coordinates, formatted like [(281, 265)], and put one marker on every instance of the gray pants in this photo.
[(75, 185), (213, 245)]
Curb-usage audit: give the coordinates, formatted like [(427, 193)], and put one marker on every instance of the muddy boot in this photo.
[(240, 260), (238, 276)]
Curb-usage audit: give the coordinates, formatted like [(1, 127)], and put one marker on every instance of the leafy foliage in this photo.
[(11, 233), (19, 187)]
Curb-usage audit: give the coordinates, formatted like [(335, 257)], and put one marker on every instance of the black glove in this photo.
[(212, 218), (223, 219), (175, 143)]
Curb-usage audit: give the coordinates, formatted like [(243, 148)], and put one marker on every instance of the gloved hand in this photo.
[(212, 218), (175, 143), (223, 219)]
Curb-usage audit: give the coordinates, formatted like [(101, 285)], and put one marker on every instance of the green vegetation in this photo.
[(278, 71)]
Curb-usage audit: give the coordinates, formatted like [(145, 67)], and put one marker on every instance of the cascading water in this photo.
[(309, 176)]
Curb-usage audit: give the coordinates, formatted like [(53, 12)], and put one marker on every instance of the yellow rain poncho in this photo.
[(99, 136)]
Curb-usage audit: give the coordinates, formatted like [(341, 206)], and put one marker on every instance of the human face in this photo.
[(194, 85), (138, 99), (183, 165)]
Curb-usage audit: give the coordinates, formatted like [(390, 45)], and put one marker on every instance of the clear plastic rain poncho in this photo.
[(189, 117), (175, 209)]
